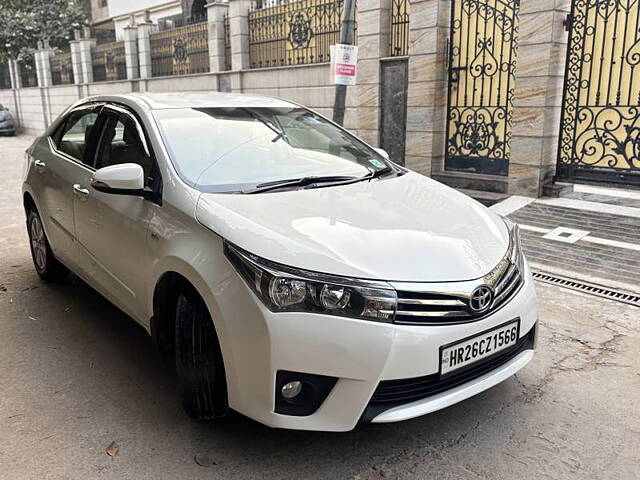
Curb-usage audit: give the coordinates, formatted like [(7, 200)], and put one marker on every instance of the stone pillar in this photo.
[(74, 46), (86, 64), (427, 85), (43, 67), (144, 48), (373, 44), (14, 74), (216, 12), (131, 51), (239, 33), (538, 95)]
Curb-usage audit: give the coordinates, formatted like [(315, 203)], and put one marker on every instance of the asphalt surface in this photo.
[(76, 374)]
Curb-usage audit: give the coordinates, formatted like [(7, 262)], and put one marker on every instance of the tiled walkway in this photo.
[(592, 235)]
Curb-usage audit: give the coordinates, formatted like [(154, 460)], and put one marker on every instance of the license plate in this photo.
[(483, 345)]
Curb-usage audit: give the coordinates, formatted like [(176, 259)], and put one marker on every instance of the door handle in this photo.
[(79, 191), (40, 165)]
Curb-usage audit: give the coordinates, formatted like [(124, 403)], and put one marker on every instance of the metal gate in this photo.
[(482, 57), (600, 124)]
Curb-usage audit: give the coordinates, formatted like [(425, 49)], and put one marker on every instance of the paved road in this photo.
[(77, 374)]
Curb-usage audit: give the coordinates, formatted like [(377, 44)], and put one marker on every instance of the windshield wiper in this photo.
[(279, 133), (301, 182), (376, 173)]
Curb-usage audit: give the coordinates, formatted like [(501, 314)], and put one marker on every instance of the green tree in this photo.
[(25, 22)]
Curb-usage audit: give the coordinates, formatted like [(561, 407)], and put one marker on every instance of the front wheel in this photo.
[(198, 359), (47, 266)]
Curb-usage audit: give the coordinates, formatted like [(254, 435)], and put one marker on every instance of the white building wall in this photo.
[(308, 85), (121, 11)]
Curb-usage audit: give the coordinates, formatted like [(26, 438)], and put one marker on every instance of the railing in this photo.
[(28, 76), (61, 69), (227, 43), (180, 51), (399, 34), (103, 36), (5, 77), (294, 33), (109, 62)]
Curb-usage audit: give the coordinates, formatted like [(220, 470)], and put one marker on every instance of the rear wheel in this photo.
[(47, 267), (199, 363)]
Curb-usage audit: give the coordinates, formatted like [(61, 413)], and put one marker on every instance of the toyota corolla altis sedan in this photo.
[(292, 272)]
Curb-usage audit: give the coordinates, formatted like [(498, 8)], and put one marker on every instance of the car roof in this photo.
[(157, 101)]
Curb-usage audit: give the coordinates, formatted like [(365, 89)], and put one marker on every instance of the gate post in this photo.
[(216, 12), (373, 43), (427, 86), (239, 33), (538, 96), (86, 62), (144, 47), (131, 49)]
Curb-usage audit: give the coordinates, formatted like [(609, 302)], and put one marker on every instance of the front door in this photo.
[(600, 124), (58, 167), (112, 229), (482, 56)]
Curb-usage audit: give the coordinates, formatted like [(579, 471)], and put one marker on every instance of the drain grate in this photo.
[(592, 289)]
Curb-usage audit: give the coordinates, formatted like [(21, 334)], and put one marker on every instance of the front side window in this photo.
[(230, 149), (121, 143), (76, 134)]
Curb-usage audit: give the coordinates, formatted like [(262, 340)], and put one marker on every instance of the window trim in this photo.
[(54, 142), (141, 133), (155, 192)]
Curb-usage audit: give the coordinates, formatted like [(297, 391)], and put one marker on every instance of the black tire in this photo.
[(47, 266), (199, 364)]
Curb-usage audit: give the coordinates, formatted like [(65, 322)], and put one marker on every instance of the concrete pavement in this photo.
[(77, 374)]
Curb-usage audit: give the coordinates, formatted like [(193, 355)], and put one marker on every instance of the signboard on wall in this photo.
[(343, 64)]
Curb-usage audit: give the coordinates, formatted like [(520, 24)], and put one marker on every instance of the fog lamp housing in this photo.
[(301, 394)]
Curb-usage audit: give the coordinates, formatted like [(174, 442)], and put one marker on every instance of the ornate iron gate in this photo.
[(600, 123), (482, 58)]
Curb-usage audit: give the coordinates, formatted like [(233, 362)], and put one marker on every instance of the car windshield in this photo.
[(238, 148)]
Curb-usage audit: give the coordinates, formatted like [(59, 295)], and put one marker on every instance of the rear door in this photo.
[(59, 165), (112, 229)]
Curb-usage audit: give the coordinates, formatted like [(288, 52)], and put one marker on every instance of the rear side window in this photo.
[(76, 133)]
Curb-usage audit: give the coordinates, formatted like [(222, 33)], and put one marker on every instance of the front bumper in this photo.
[(258, 343)]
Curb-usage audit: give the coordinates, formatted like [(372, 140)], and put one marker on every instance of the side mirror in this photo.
[(382, 152), (123, 179)]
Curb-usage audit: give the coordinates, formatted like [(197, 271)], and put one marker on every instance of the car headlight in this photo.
[(287, 289)]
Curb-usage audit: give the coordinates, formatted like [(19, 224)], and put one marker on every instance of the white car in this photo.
[(292, 272)]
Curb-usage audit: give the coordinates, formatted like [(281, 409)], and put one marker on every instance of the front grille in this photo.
[(393, 393), (442, 307), (426, 308)]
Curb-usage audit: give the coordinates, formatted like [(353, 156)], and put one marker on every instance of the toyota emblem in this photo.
[(480, 299)]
